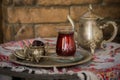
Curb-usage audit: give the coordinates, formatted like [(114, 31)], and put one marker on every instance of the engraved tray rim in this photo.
[(87, 57)]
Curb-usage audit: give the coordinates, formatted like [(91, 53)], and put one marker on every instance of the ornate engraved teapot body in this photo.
[(90, 34)]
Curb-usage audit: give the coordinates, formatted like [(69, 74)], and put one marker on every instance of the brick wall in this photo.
[(1, 35), (23, 19)]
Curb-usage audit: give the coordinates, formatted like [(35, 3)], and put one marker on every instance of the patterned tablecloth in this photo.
[(105, 64)]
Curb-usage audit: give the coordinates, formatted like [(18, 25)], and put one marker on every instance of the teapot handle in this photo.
[(114, 32)]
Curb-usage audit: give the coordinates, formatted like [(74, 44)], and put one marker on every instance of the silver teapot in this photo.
[(90, 34)]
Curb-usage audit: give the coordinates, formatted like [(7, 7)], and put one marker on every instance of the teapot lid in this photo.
[(90, 14)]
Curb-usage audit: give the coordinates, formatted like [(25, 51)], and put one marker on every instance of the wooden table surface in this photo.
[(25, 75)]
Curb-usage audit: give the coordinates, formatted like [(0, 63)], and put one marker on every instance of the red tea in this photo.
[(65, 44)]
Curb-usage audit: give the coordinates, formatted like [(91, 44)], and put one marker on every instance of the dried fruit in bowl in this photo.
[(38, 43)]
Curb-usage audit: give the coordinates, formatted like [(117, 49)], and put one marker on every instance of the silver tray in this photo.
[(48, 62)]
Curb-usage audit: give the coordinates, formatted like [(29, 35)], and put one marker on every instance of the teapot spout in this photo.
[(71, 22), (73, 27)]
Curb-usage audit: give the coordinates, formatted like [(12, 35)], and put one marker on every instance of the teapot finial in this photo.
[(90, 6)]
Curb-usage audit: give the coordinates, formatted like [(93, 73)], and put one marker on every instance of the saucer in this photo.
[(70, 59)]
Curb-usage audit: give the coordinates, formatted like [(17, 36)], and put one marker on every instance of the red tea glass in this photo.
[(65, 43)]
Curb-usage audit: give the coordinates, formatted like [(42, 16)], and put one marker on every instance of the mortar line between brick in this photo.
[(116, 20), (38, 23), (56, 6), (13, 32), (34, 33)]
